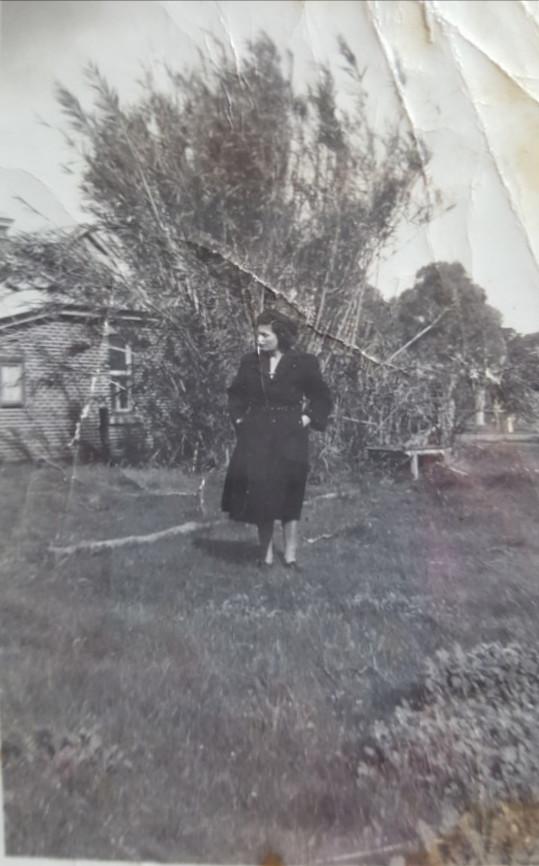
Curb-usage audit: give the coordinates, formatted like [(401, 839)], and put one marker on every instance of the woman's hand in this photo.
[(305, 420)]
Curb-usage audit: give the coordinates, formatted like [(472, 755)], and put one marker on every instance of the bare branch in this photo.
[(418, 336)]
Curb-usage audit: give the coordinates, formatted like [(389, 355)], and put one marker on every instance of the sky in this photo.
[(464, 76)]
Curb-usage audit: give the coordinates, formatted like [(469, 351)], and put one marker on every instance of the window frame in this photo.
[(13, 361), (125, 373)]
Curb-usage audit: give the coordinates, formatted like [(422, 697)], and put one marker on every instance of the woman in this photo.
[(276, 396)]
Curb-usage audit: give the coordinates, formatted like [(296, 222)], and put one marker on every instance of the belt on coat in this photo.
[(271, 407)]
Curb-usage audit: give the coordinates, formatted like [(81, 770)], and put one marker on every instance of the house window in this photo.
[(11, 383), (120, 369)]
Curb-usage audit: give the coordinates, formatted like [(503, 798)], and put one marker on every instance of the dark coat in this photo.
[(268, 470)]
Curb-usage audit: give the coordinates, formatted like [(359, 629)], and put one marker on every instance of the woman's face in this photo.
[(266, 338)]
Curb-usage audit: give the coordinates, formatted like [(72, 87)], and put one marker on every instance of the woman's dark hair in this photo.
[(284, 328)]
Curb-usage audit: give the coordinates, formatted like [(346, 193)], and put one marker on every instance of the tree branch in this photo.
[(418, 336)]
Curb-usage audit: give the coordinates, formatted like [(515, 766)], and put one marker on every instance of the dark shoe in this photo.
[(293, 566), (261, 563)]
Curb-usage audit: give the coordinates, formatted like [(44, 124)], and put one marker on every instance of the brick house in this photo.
[(66, 380), (66, 375)]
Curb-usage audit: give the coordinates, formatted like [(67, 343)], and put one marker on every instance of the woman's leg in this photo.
[(265, 537), (290, 532)]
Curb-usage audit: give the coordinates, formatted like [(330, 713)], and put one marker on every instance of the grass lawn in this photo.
[(170, 701)]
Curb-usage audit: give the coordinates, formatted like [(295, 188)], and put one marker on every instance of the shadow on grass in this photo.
[(242, 552)]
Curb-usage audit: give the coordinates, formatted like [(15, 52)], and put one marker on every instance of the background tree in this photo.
[(462, 347), (518, 390)]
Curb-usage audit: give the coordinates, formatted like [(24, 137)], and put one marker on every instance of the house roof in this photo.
[(16, 303), (72, 312), (35, 298), (27, 305)]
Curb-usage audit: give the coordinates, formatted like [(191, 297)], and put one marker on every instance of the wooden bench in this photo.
[(412, 452)]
